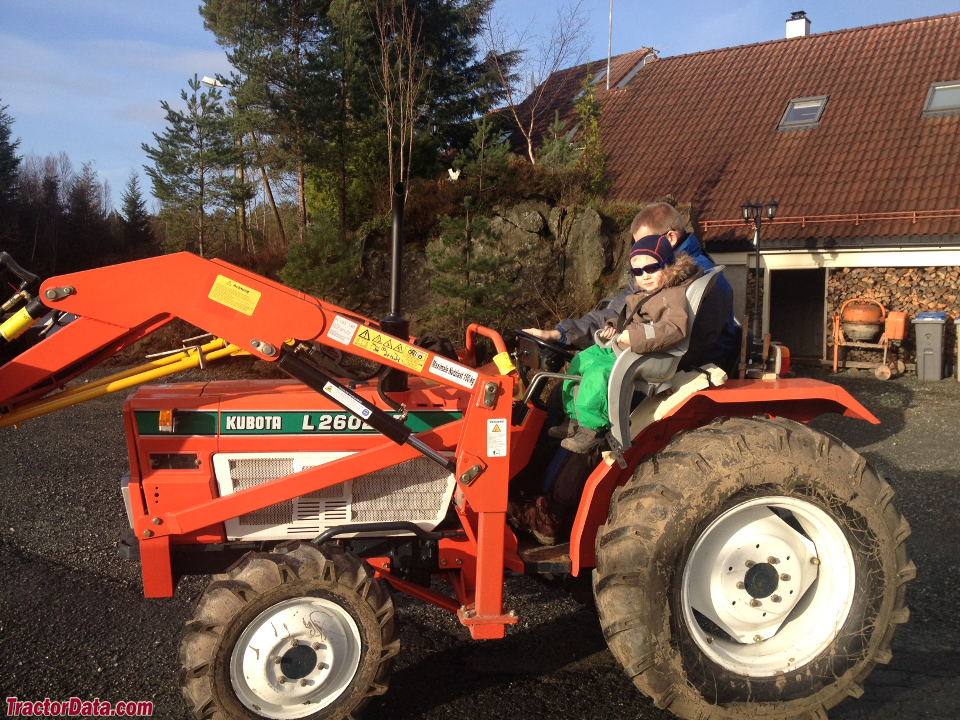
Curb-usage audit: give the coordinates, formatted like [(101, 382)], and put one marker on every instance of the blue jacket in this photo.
[(721, 351)]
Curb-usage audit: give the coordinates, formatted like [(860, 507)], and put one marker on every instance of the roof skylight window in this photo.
[(943, 98), (600, 76), (803, 113)]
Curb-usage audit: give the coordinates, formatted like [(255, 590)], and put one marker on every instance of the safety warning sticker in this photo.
[(385, 346), (346, 400), (457, 373), (342, 330), (234, 295), (497, 438)]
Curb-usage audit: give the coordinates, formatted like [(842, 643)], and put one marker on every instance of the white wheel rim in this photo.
[(775, 616), (295, 658)]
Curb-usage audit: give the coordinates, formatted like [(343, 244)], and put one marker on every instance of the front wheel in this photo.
[(297, 633), (754, 568)]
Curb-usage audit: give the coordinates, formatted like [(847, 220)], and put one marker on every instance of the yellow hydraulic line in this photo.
[(161, 362), (114, 383)]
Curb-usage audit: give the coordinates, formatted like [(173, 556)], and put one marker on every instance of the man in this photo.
[(715, 334)]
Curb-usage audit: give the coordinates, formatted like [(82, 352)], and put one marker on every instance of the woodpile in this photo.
[(909, 290)]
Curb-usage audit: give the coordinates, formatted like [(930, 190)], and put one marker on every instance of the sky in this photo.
[(86, 77)]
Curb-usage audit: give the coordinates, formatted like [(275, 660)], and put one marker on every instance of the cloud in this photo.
[(142, 114), (33, 68), (138, 56)]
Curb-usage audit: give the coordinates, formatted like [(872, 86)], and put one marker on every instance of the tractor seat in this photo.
[(650, 373)]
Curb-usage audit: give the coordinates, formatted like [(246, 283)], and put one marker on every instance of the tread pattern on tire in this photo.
[(293, 568), (655, 514)]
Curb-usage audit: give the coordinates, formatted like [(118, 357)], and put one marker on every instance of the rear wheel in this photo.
[(298, 633), (754, 568)]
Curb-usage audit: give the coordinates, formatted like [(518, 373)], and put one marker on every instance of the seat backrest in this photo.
[(649, 373)]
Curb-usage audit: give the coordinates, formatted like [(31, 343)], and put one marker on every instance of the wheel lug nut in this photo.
[(776, 598), (754, 602), (281, 679), (316, 646), (772, 560), (757, 638), (785, 577), (294, 642), (750, 563), (740, 585), (321, 666), (814, 561), (276, 661), (303, 683)]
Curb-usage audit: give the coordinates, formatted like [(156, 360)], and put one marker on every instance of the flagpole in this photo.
[(609, 44)]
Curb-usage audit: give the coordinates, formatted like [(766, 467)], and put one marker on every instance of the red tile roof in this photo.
[(561, 88), (703, 128)]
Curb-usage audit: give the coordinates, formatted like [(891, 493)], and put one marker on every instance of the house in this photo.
[(856, 134)]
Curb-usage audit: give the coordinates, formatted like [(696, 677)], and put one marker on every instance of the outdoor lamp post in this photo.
[(755, 213)]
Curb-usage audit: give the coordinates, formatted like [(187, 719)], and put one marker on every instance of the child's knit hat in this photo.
[(657, 245)]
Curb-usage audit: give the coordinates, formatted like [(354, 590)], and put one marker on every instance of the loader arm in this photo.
[(118, 305)]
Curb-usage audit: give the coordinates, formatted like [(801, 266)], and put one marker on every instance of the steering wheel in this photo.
[(555, 348)]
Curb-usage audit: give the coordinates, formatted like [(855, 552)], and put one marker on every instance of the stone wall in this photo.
[(564, 261)]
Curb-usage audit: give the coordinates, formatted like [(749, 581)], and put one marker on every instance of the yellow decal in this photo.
[(385, 346), (234, 295)]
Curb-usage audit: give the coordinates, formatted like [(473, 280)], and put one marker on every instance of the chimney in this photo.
[(798, 25)]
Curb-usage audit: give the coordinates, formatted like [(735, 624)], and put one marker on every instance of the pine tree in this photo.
[(275, 47), (487, 157), (86, 237), (193, 158), (9, 162), (467, 260), (136, 221), (592, 161), (556, 151)]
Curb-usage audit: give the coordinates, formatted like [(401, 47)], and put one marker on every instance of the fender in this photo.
[(797, 399)]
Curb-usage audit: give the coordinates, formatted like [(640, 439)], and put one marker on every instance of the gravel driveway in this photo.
[(73, 621)]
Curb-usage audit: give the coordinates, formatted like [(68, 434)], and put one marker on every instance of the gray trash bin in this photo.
[(929, 329)]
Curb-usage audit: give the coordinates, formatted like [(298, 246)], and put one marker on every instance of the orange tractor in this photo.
[(743, 564)]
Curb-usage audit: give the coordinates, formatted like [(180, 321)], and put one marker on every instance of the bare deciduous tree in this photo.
[(529, 95), (402, 80)]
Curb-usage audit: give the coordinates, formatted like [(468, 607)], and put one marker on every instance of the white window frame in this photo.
[(954, 109), (785, 125)]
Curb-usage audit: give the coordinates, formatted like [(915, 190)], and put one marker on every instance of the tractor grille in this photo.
[(416, 491), (250, 473)]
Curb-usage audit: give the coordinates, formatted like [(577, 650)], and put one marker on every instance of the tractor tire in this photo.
[(300, 632), (754, 568)]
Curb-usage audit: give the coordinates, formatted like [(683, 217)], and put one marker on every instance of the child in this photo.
[(654, 319)]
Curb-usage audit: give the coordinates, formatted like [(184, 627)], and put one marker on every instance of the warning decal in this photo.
[(342, 330), (234, 295), (346, 400), (385, 346), (497, 438)]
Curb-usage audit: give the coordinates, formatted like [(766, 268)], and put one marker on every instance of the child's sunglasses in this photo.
[(646, 269)]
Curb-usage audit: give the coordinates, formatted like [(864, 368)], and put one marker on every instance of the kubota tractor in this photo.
[(743, 565)]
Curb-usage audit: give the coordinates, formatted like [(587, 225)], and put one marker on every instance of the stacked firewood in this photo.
[(909, 290)]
